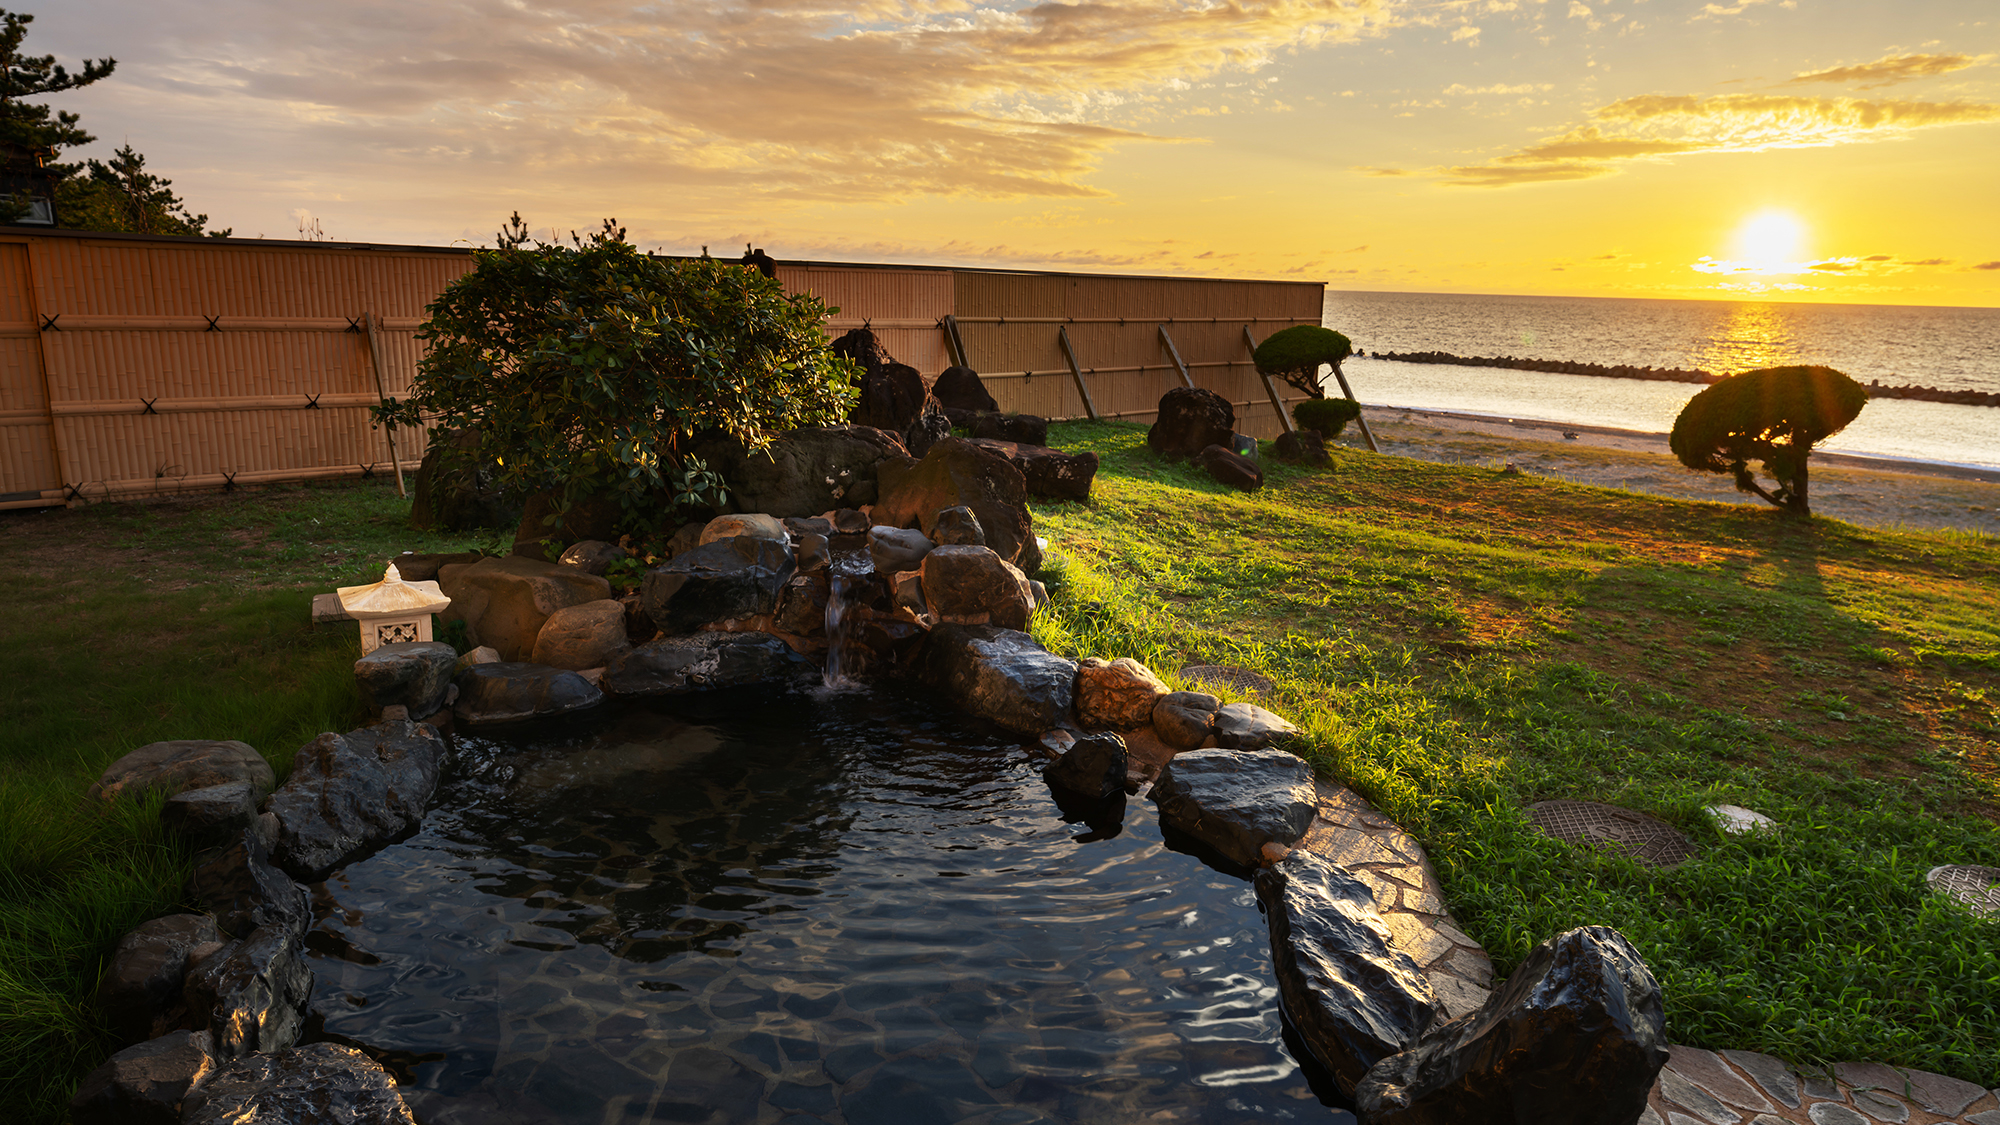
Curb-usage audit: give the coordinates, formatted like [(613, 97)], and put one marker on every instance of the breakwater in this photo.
[(1876, 388)]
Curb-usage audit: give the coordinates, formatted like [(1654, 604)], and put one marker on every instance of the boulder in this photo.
[(726, 580), (853, 521), (505, 601), (1092, 766), (800, 527), (1189, 420), (458, 496), (1185, 720), (1237, 801), (802, 606), (959, 473), (1051, 474), (958, 527), (251, 994), (1116, 694), (241, 887), (805, 472), (543, 537), (412, 674), (1301, 447), (812, 553), (1577, 1036), (510, 691), (317, 1084), (929, 429), (706, 661), (484, 654), (592, 556), (1232, 469), (685, 540), (145, 1084), (974, 586), (1000, 675), (1246, 726), (959, 388), (1352, 995), (213, 816), (756, 525), (191, 763), (416, 566), (582, 636), (896, 549), (1025, 429), (141, 987), (349, 795), (893, 396)]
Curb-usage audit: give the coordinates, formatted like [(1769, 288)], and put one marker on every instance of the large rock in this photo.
[(1301, 447), (505, 601), (1116, 694), (1093, 766), (756, 525), (251, 994), (244, 890), (1190, 419), (416, 566), (460, 496), (349, 795), (214, 815), (1000, 675), (804, 472), (184, 764), (929, 429), (317, 1084), (706, 661), (581, 636), (511, 691), (1576, 1036), (1185, 720), (958, 473), (727, 580), (1025, 429), (893, 396), (974, 586), (897, 549), (413, 674), (1246, 726), (1232, 469), (1237, 801), (1354, 997), (958, 527), (593, 556), (1051, 474), (145, 1084), (959, 388), (141, 988)]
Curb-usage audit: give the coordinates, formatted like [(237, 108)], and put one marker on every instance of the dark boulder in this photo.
[(1093, 766), (140, 991), (244, 890), (1022, 429), (411, 674), (727, 580), (193, 763), (974, 586), (504, 602), (1191, 419), (804, 472), (924, 434), (455, 492), (1237, 801), (1577, 1036), (1000, 675), (145, 1084), (592, 556), (251, 994), (706, 661), (1354, 997), (1050, 474), (959, 388), (349, 795), (213, 816), (958, 527), (509, 691), (1185, 720), (1232, 469), (423, 567), (317, 1084), (893, 396), (1301, 447), (961, 473), (894, 550)]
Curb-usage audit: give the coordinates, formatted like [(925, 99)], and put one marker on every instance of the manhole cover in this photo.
[(1978, 888), (1650, 841), (1235, 679)]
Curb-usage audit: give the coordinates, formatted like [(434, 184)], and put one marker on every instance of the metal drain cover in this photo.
[(1978, 888), (1652, 842), (1235, 679)]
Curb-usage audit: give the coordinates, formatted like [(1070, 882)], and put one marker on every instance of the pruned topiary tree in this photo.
[(1773, 416), (1294, 355)]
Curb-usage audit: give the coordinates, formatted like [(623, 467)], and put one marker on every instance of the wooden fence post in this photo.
[(1076, 372), (1349, 392), (954, 343), (381, 392), (1285, 422), (1187, 380)]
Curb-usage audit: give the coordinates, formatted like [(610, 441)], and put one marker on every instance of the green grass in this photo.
[(1458, 645), (128, 624)]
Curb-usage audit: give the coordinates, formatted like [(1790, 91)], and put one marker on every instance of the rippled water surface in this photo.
[(788, 908)]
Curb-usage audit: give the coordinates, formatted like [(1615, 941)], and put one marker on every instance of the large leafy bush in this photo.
[(589, 369), (1327, 415), (1295, 354), (1775, 416)]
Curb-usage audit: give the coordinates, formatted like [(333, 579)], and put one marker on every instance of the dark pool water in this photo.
[(766, 908)]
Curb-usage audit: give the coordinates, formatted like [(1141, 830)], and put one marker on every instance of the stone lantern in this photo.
[(392, 611)]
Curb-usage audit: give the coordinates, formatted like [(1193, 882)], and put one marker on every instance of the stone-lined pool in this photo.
[(770, 907)]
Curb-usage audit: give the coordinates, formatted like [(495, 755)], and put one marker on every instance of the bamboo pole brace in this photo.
[(375, 362), (1168, 340), (1076, 372), (954, 343), (1349, 392), (1270, 388)]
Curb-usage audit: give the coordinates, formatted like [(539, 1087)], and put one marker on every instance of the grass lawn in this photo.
[(1456, 644)]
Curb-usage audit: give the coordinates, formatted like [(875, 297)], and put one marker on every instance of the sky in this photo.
[(1819, 150)]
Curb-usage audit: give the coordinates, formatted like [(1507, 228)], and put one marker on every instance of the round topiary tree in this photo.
[(588, 370), (1329, 416), (1775, 416), (1294, 354)]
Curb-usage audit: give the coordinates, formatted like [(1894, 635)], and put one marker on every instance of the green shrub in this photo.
[(1774, 415), (1295, 354), (1327, 415), (587, 370)]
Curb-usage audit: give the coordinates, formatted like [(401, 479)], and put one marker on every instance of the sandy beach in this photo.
[(1873, 492)]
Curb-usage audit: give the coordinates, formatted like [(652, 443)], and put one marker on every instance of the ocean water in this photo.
[(1949, 348)]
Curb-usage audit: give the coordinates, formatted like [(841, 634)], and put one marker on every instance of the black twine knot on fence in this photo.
[(312, 401), (149, 405), (212, 325)]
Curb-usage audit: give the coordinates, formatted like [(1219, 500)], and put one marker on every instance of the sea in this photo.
[(1947, 348)]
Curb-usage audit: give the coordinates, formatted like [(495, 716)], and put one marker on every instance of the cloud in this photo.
[(1370, 170), (1987, 266), (1499, 88), (1653, 126), (1890, 70), (1464, 32)]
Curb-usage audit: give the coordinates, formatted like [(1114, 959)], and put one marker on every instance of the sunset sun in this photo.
[(1770, 239)]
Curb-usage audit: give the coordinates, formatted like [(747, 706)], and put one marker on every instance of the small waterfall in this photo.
[(849, 570)]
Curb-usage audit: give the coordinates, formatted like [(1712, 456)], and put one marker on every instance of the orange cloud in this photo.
[(1890, 70)]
